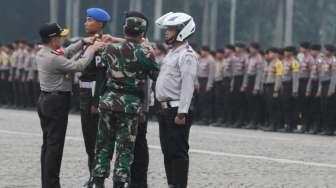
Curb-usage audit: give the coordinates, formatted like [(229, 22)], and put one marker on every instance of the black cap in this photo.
[(305, 45), (241, 45), (291, 49), (230, 47), (206, 48), (273, 50), (329, 47), (255, 45), (49, 30)]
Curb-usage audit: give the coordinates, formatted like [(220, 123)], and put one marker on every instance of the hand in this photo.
[(295, 94), (318, 94), (255, 92), (275, 94), (180, 119), (330, 94), (196, 88), (88, 40), (98, 45), (107, 38), (307, 94), (242, 89), (94, 110)]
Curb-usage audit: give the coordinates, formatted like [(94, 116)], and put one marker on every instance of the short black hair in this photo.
[(316, 47), (305, 44), (205, 48), (240, 45), (291, 49), (220, 50), (230, 47), (255, 45), (330, 48)]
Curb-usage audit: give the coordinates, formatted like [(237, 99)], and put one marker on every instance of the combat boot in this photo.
[(180, 173), (97, 183), (118, 184)]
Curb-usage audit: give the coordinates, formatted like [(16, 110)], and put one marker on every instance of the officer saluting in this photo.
[(54, 70), (174, 90)]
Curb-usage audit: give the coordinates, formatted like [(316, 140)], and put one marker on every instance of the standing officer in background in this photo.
[(289, 90), (174, 90), (238, 96), (312, 87), (251, 85), (273, 71), (206, 75), (325, 71), (95, 21), (218, 87), (54, 69), (302, 108)]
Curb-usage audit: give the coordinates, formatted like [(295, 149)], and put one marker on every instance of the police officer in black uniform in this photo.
[(55, 68)]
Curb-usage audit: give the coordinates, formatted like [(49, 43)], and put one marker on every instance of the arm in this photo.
[(188, 68), (73, 48), (63, 64), (332, 84), (211, 75)]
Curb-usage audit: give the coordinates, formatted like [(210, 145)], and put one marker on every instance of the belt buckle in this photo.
[(164, 105)]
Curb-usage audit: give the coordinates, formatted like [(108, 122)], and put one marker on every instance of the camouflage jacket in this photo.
[(127, 67)]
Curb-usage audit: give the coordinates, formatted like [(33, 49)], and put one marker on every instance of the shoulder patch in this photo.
[(58, 52)]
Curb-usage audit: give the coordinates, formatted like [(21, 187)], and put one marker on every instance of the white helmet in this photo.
[(185, 24)]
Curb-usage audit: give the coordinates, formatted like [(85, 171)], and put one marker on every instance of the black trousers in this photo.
[(302, 107), (53, 110), (204, 107), (331, 114), (314, 114), (227, 102), (139, 168), (89, 122), (218, 100), (287, 104), (253, 102), (174, 140), (238, 101), (272, 106), (324, 107)]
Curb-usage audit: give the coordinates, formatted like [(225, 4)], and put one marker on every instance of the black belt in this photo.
[(66, 93)]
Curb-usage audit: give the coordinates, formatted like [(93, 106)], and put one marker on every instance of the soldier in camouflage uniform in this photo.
[(128, 65)]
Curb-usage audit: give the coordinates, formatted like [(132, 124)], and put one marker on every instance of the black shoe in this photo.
[(271, 127), (98, 183), (326, 133), (250, 126), (118, 184), (89, 183), (180, 168)]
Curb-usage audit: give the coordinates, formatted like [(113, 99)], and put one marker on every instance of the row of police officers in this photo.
[(275, 90)]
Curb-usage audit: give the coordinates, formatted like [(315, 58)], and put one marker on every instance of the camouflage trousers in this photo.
[(115, 130)]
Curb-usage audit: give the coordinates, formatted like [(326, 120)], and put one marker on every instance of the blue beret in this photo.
[(98, 14)]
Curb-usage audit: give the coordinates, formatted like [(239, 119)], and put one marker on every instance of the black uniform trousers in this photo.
[(227, 102), (204, 100), (302, 107), (314, 114), (218, 100), (89, 122), (253, 102), (272, 106), (238, 101), (324, 107), (174, 140), (331, 114), (139, 168), (53, 110), (287, 105)]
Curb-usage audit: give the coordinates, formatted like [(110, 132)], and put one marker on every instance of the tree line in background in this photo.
[(270, 22)]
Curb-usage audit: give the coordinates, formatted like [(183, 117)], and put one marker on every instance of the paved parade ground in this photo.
[(220, 157)]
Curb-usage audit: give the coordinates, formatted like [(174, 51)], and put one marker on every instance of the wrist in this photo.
[(181, 115)]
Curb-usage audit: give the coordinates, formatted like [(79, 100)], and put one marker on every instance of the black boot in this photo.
[(98, 183), (180, 173), (118, 184), (89, 183), (168, 169)]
